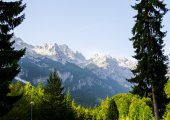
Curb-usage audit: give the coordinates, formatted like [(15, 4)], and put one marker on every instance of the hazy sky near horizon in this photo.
[(87, 26)]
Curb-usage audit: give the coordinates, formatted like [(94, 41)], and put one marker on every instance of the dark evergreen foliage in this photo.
[(54, 106), (9, 19), (113, 113), (129, 106), (150, 73)]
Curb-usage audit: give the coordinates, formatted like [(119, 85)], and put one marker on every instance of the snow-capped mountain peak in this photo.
[(20, 44), (61, 53), (124, 62), (102, 65), (46, 49), (101, 60), (67, 51)]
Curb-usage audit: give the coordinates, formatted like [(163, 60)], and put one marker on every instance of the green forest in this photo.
[(47, 105)]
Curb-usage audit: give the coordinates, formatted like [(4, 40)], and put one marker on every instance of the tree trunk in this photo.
[(155, 105)]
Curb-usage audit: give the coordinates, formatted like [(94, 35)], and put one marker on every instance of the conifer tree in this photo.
[(112, 112), (70, 115), (10, 17), (54, 107), (150, 73)]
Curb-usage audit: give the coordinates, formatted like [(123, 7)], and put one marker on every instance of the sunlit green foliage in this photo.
[(167, 91), (139, 110), (123, 102), (70, 114), (21, 110), (130, 107)]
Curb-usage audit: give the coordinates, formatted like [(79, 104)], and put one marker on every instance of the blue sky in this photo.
[(88, 26)]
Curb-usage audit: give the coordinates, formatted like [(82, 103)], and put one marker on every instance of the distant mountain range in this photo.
[(89, 81)]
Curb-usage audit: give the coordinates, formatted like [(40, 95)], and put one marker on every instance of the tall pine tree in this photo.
[(150, 73), (54, 107), (112, 112), (10, 17)]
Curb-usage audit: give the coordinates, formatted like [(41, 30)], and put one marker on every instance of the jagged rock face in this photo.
[(88, 80)]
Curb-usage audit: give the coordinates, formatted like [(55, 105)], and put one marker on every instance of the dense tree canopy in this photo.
[(129, 106), (10, 18), (54, 101), (150, 74)]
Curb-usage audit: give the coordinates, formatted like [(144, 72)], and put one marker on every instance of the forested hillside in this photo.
[(128, 106)]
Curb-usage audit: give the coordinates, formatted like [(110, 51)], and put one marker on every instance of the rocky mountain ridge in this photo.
[(89, 80)]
